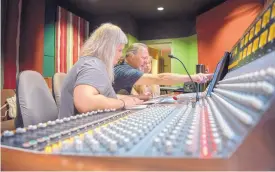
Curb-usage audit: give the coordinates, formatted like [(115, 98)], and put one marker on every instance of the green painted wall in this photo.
[(186, 49), (131, 40), (49, 39)]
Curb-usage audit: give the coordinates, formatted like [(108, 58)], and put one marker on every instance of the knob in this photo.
[(73, 117), (168, 147), (219, 144), (172, 138), (78, 145), (56, 147), (140, 133), (8, 133), (157, 142), (165, 131), (59, 121), (91, 113), (41, 125), (21, 130), (51, 123), (126, 143), (161, 135), (189, 146), (190, 136), (43, 139), (33, 143), (32, 127), (215, 134), (107, 110), (66, 146), (112, 146), (134, 137), (66, 119), (94, 145), (26, 145), (175, 133), (53, 136), (214, 129)]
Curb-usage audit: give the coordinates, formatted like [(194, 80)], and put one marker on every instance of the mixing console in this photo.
[(212, 129), (233, 122)]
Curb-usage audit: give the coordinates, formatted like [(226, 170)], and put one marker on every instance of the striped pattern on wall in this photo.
[(71, 32)]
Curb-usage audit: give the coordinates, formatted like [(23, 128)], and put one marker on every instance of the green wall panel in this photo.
[(49, 66), (193, 53), (186, 49), (131, 40), (180, 50), (49, 39)]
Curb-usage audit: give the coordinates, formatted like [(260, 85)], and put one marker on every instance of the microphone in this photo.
[(197, 94)]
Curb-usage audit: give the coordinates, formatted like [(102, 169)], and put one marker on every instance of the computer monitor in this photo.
[(220, 72)]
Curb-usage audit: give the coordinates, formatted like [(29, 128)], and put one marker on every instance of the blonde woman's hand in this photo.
[(148, 93), (201, 77), (131, 101)]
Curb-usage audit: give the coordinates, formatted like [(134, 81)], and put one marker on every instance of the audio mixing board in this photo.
[(226, 127), (213, 128)]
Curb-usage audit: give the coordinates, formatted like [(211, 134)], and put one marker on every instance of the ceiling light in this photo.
[(160, 8)]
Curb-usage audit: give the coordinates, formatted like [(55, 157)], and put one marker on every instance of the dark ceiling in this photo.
[(146, 9), (141, 18)]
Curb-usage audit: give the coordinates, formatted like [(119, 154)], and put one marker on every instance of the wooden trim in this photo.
[(48, 81)]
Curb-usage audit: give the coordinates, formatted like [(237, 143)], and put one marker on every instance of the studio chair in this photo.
[(57, 82), (35, 103)]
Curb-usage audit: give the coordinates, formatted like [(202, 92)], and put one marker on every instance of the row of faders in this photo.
[(36, 137), (120, 137), (214, 128)]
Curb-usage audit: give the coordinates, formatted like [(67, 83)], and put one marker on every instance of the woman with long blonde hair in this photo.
[(88, 85), (148, 90)]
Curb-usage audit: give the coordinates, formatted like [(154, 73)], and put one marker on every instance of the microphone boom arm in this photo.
[(197, 95)]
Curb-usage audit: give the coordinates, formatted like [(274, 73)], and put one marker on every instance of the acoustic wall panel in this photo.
[(49, 39), (71, 32)]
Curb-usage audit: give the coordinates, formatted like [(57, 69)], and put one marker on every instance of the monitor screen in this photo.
[(220, 72)]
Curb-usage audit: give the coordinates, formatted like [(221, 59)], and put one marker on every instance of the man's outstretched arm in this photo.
[(171, 79)]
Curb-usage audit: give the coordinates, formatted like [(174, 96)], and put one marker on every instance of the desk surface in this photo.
[(31, 161), (169, 88)]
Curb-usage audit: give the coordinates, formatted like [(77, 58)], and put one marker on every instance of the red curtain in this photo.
[(32, 36), (23, 41), (10, 42)]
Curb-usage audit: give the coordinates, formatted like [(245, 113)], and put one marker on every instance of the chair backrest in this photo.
[(35, 103), (57, 82)]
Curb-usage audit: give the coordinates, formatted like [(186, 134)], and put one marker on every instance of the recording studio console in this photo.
[(231, 129), (214, 128)]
